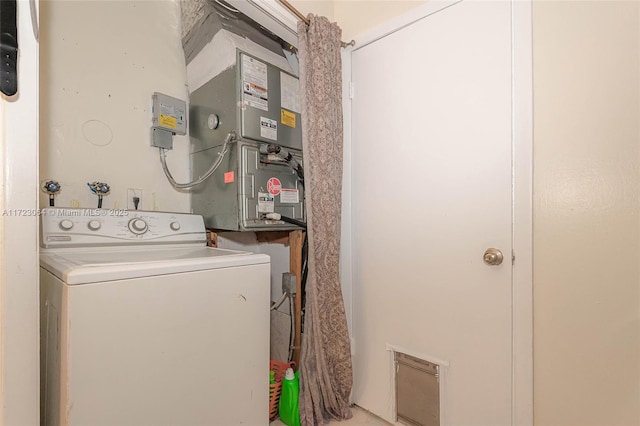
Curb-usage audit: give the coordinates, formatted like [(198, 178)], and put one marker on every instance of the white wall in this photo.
[(317, 7), (355, 16), (101, 61), (586, 213), (19, 336), (358, 16)]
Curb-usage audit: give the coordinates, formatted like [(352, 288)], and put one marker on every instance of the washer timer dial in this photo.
[(138, 226)]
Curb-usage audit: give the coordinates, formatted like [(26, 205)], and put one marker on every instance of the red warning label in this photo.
[(274, 186)]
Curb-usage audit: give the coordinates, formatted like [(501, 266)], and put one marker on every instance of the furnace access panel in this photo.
[(261, 103)]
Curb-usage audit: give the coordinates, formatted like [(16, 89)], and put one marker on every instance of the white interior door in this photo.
[(432, 190)]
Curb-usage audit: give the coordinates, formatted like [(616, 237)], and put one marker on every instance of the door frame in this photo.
[(522, 183), (275, 17), (19, 264)]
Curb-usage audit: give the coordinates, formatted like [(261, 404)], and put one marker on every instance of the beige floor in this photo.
[(360, 418)]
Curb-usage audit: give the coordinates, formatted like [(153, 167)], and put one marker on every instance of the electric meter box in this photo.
[(261, 104), (246, 186)]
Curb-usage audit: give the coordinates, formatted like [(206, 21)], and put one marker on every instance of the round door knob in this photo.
[(66, 224), (94, 225), (493, 257), (138, 226)]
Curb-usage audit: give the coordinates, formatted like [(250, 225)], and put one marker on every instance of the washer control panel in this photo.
[(67, 227)]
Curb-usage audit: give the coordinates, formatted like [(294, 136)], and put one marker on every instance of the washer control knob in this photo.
[(94, 225), (138, 226), (66, 224), (175, 226)]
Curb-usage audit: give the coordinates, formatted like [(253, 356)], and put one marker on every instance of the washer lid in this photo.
[(92, 266)]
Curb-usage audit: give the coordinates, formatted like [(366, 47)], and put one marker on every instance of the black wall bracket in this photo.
[(8, 47)]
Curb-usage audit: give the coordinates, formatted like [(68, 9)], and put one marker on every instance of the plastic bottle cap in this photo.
[(289, 375)]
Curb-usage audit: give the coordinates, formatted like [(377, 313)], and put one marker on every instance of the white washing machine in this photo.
[(143, 324)]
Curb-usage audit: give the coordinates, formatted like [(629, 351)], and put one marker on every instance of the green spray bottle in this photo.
[(288, 409)]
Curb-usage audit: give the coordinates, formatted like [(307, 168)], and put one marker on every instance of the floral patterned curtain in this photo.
[(325, 364)]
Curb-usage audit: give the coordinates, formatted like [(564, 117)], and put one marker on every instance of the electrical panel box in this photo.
[(169, 114), (260, 103)]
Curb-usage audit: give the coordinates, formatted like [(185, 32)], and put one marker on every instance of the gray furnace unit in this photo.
[(260, 103)]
